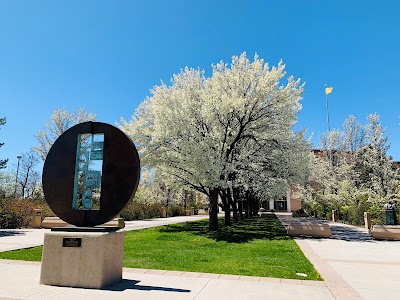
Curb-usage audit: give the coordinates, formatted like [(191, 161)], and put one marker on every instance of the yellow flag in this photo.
[(328, 90)]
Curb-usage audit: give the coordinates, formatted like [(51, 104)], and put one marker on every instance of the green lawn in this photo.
[(255, 247), (29, 254)]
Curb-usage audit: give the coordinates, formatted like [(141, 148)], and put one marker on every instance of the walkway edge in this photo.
[(334, 282)]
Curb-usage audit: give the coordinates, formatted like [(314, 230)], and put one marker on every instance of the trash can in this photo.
[(163, 212), (390, 214), (37, 218)]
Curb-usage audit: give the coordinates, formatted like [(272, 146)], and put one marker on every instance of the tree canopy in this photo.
[(233, 130), (353, 173), (60, 121)]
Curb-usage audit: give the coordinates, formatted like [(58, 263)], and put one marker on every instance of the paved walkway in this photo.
[(20, 280), (352, 262), (13, 239), (353, 265)]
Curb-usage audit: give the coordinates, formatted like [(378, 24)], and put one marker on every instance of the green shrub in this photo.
[(16, 213), (138, 210), (9, 220), (175, 210)]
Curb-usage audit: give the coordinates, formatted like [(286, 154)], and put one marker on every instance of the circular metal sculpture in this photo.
[(91, 172)]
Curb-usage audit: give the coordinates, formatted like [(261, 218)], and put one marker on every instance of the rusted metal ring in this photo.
[(120, 174)]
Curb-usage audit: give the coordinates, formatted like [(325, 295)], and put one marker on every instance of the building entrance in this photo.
[(280, 205)]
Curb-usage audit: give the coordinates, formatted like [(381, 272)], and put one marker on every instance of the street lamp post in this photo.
[(16, 176)]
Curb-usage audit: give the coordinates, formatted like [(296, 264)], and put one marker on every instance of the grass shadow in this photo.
[(253, 228)]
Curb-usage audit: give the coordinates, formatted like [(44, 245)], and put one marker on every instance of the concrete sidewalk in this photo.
[(353, 265), (371, 268), (13, 239), (20, 280)]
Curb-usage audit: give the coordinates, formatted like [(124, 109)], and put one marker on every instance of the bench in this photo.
[(313, 230), (50, 222), (386, 232), (264, 214)]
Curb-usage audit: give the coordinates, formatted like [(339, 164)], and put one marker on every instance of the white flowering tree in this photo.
[(7, 184), (353, 173), (222, 133), (60, 121), (375, 166)]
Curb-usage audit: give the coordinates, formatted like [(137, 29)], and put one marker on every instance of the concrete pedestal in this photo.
[(82, 259)]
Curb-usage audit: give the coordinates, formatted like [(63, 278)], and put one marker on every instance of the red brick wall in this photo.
[(295, 204)]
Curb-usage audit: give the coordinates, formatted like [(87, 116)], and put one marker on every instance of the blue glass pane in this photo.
[(88, 172)]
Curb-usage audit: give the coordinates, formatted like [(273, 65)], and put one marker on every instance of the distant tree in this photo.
[(354, 135), (60, 121), (28, 178), (7, 184), (374, 165), (353, 173), (3, 162)]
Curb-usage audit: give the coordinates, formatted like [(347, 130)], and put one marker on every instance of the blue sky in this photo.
[(105, 56)]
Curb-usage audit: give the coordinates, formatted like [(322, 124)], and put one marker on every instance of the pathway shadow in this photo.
[(128, 284), (339, 231), (11, 233), (250, 229), (349, 234)]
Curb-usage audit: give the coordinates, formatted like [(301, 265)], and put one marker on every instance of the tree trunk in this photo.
[(246, 208), (213, 210), (233, 203), (227, 219), (249, 205), (240, 205), (252, 205), (184, 199), (256, 207), (167, 196), (235, 212), (236, 196)]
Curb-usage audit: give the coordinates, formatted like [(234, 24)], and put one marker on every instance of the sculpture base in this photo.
[(86, 229), (82, 259)]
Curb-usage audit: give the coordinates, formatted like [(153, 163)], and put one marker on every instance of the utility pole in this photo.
[(16, 176)]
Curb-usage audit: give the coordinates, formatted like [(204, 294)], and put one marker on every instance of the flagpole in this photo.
[(327, 112), (329, 127)]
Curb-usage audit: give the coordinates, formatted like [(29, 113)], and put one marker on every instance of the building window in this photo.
[(280, 205)]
